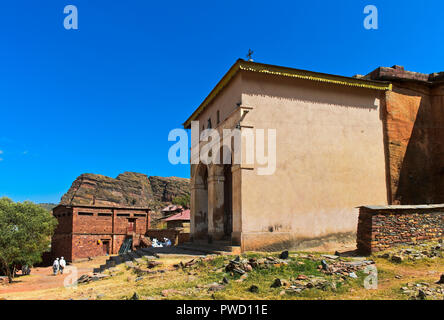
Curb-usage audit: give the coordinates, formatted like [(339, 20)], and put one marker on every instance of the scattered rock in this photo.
[(138, 279), (135, 296), (254, 289), (277, 283), (243, 277), (225, 280), (95, 277), (284, 255), (331, 257), (423, 290), (419, 252), (324, 265), (215, 287), (421, 295), (353, 275), (151, 264), (441, 280)]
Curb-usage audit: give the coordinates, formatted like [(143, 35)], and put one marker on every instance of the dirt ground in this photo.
[(43, 278), (188, 284)]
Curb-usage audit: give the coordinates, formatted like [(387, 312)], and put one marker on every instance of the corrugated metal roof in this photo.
[(184, 215)]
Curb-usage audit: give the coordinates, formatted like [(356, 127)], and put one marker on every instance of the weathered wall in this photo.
[(61, 246), (380, 228), (330, 159), (414, 135)]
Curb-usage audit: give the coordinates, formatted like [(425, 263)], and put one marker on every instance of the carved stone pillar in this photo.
[(216, 202), (199, 212)]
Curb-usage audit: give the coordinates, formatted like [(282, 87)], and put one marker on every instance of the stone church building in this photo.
[(85, 231), (341, 142)]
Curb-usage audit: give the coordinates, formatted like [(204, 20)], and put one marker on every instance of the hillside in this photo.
[(48, 206), (128, 189)]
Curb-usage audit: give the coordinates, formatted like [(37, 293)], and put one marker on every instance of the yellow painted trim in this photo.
[(285, 72)]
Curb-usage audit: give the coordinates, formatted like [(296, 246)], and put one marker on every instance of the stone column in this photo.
[(216, 202), (236, 235), (199, 212)]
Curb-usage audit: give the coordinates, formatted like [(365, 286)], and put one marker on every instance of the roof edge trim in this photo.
[(285, 72)]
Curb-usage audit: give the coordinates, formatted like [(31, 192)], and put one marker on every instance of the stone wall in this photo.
[(413, 133), (176, 236), (380, 228)]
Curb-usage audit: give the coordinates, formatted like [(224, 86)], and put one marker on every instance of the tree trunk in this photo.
[(7, 270)]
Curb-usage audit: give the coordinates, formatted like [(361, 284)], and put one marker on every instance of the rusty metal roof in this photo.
[(184, 215)]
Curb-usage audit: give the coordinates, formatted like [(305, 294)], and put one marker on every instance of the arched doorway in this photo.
[(200, 201)]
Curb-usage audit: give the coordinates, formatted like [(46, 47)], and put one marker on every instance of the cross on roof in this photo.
[(250, 53)]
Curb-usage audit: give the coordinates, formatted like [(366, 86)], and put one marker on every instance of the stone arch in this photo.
[(199, 202)]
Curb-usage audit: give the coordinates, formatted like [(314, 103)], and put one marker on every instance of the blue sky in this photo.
[(103, 98)]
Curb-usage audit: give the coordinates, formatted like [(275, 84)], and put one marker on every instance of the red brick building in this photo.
[(88, 231)]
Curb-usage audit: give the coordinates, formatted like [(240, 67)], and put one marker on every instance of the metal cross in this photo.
[(250, 53)]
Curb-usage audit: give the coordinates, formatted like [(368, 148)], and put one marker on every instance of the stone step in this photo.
[(125, 257), (145, 252), (100, 269), (214, 248), (110, 263), (116, 259), (134, 255)]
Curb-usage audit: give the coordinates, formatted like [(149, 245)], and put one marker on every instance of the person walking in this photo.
[(62, 265), (55, 266)]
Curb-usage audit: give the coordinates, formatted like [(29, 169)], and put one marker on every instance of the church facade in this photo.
[(340, 143)]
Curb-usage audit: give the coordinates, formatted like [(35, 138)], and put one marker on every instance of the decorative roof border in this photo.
[(285, 72)]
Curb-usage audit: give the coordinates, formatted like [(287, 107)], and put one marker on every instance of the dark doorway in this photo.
[(106, 247), (131, 225), (228, 202)]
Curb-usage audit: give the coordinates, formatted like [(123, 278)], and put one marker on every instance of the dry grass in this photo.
[(190, 283)]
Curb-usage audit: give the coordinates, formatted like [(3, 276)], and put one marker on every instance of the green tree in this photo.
[(183, 201), (25, 233)]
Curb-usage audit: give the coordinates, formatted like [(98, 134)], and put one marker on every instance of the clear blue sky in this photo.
[(103, 98)]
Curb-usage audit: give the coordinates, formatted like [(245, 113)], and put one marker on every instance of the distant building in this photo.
[(171, 209), (88, 231), (179, 220)]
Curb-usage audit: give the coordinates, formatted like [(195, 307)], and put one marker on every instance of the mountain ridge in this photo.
[(127, 189)]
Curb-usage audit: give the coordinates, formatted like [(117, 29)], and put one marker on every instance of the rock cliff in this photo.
[(128, 189)]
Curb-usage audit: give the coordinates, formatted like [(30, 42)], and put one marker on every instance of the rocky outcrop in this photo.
[(128, 189)]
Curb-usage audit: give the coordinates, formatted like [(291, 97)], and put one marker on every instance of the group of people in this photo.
[(58, 265), (159, 244)]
